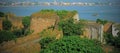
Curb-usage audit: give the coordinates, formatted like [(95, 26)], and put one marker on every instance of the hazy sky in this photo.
[(64, 0)]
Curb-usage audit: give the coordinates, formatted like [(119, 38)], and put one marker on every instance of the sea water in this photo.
[(110, 13)]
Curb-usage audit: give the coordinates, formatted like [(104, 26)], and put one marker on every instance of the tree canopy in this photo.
[(26, 21), (6, 24), (2, 14), (69, 27), (100, 21), (65, 14)]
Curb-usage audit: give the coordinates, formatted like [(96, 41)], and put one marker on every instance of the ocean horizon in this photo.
[(110, 13)]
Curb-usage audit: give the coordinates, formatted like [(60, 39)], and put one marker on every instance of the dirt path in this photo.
[(24, 43), (27, 43), (107, 48)]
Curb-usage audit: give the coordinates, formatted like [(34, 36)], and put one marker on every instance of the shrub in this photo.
[(18, 32), (26, 22), (73, 44), (47, 10), (117, 41), (70, 28), (65, 14), (45, 41), (6, 36), (2, 14), (100, 21), (6, 24), (109, 39)]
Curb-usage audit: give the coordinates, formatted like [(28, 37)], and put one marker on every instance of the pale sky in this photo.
[(64, 0)]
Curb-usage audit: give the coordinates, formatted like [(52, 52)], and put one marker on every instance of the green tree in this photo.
[(6, 36), (64, 13), (73, 44), (2, 14), (6, 24), (100, 21), (26, 22), (61, 13), (47, 10), (69, 27)]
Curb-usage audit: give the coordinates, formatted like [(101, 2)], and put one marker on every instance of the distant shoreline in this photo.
[(59, 5)]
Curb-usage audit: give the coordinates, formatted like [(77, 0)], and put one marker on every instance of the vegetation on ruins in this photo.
[(47, 10), (71, 44), (18, 32), (9, 32), (100, 21), (65, 14), (71, 41), (6, 24), (2, 14), (6, 36), (69, 27), (45, 41), (109, 39), (48, 33), (26, 22)]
